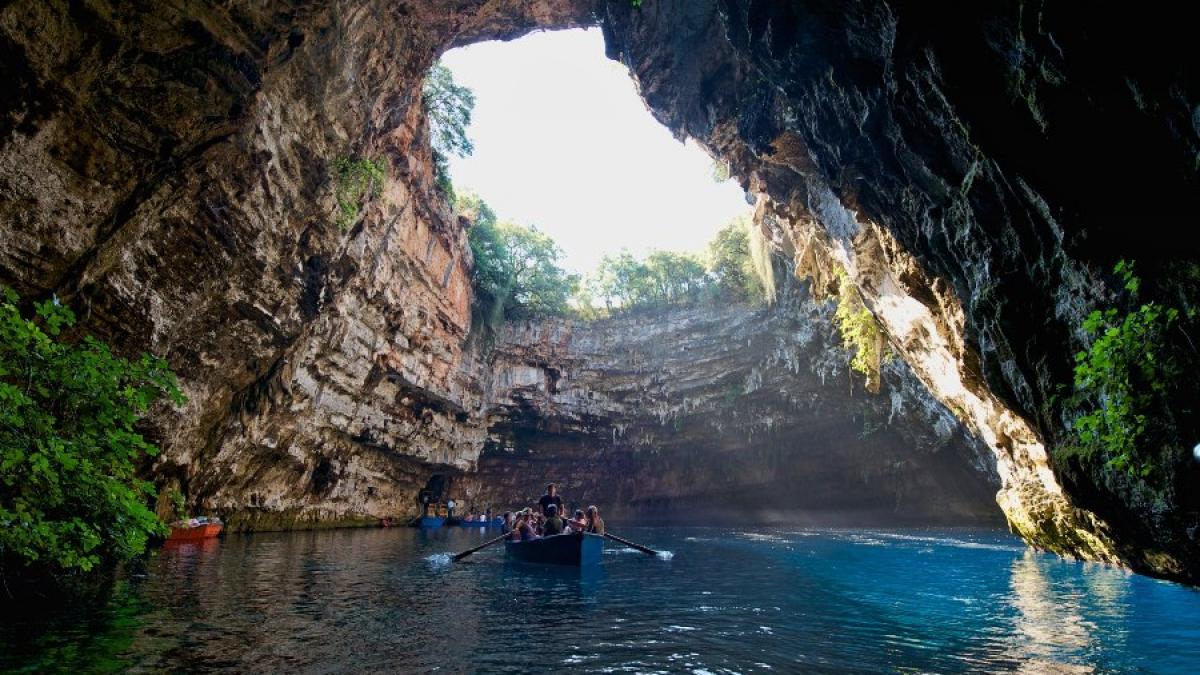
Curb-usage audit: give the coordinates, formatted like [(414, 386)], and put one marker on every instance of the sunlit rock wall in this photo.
[(721, 413)]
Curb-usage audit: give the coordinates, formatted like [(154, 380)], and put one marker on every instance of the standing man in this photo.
[(450, 508), (551, 497)]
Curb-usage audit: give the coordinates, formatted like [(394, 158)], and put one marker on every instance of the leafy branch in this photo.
[(70, 497), (1121, 375)]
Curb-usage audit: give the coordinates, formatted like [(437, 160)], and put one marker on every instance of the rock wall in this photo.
[(167, 170), (726, 413)]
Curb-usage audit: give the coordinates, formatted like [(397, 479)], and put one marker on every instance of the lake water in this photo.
[(771, 600)]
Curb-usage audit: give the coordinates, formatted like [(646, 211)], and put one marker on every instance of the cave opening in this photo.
[(561, 141), (560, 138)]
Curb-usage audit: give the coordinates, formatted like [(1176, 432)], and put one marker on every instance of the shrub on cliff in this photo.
[(859, 330), (1123, 384), (69, 494), (353, 179)]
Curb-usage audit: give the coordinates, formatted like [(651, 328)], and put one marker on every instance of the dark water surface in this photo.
[(769, 600)]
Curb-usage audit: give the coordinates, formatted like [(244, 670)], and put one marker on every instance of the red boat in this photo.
[(187, 531)]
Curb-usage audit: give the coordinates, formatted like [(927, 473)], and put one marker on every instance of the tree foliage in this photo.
[(1122, 378), (662, 278), (69, 494), (732, 265), (624, 282), (517, 273), (448, 107)]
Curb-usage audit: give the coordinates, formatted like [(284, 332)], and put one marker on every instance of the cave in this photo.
[(165, 170), (1005, 186)]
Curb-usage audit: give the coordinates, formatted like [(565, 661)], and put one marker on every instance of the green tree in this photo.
[(69, 494), (730, 262), (539, 286), (448, 107), (622, 281), (517, 273), (676, 278)]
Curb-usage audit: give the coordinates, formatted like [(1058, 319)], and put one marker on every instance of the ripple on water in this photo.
[(394, 600)]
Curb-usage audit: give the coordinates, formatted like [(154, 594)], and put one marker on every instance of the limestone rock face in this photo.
[(166, 169), (721, 413)]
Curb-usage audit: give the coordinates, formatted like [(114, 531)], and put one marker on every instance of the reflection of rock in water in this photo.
[(1050, 632)]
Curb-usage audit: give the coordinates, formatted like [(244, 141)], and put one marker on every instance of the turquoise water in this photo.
[(772, 600)]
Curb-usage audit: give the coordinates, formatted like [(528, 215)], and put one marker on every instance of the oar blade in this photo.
[(460, 556), (630, 544)]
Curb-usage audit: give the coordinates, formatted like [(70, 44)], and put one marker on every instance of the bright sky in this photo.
[(563, 142)]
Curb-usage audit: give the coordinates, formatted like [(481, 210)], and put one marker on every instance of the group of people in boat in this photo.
[(548, 519)]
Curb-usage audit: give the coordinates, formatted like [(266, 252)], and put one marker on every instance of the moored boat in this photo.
[(580, 549), (195, 529), (494, 522), (430, 522)]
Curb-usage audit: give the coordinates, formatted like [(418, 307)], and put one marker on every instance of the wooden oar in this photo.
[(484, 545), (630, 544)]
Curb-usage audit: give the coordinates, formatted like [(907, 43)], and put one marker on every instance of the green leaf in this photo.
[(68, 447)]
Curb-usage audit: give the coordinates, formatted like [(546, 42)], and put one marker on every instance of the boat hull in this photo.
[(580, 550), (205, 531), (495, 522), (430, 522)]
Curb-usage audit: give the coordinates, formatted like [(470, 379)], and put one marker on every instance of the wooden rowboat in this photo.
[(580, 549), (195, 532)]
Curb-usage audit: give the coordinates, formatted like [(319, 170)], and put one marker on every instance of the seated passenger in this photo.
[(577, 523), (553, 525), (507, 525), (595, 522), (526, 531)]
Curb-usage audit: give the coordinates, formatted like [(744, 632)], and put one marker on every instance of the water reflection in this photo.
[(819, 601), (1055, 623)]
